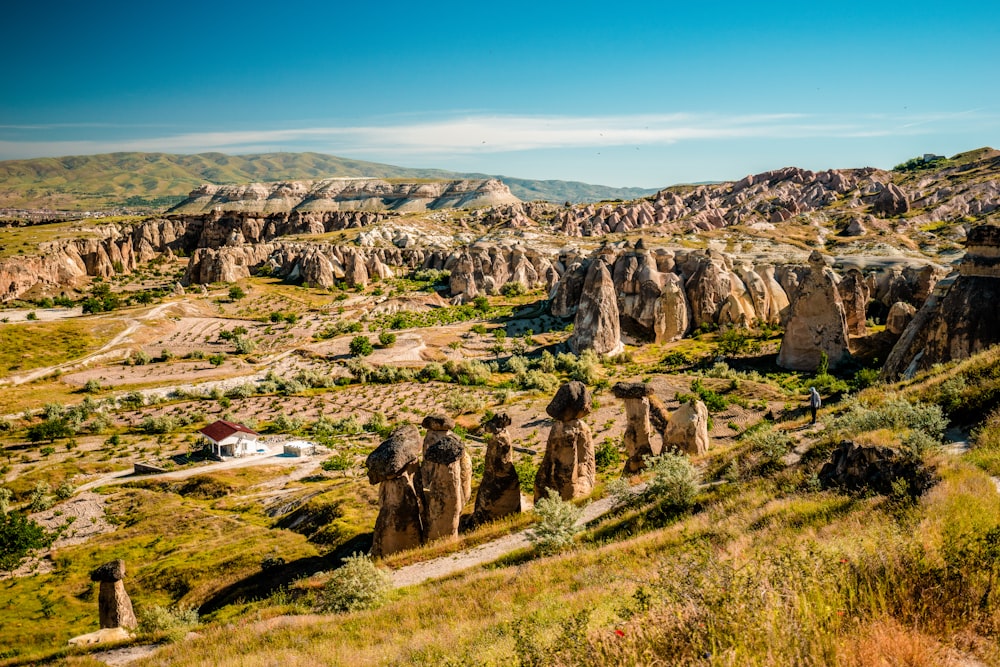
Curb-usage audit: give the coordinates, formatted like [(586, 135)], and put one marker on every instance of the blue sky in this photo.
[(626, 93)]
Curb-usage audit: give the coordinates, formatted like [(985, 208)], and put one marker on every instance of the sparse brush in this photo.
[(556, 526)]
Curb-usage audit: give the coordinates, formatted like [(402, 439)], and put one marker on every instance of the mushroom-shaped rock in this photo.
[(500, 491), (687, 429), (394, 466), (114, 604), (568, 466), (637, 429), (572, 401), (444, 493), (437, 427)]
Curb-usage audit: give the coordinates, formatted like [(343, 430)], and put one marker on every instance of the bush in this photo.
[(556, 526), (217, 359), (357, 584), (361, 346), (387, 339), (607, 455), (583, 368), (771, 444), (236, 293), (674, 481), (513, 289), (174, 622), (244, 344), (337, 462), (895, 414)]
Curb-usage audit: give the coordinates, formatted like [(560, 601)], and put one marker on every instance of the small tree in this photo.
[(674, 482), (217, 359), (236, 293), (361, 346), (19, 536)]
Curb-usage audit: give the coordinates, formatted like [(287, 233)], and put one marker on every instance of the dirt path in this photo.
[(417, 573), (123, 476), (105, 350)]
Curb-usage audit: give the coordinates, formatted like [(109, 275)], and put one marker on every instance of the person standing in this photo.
[(814, 402)]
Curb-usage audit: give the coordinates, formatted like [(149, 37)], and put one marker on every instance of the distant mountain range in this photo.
[(160, 180)]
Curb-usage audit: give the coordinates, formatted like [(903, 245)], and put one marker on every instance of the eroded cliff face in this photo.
[(960, 317), (345, 194)]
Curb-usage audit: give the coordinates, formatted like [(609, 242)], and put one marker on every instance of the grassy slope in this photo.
[(159, 179)]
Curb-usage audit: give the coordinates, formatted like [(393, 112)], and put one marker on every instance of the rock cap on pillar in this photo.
[(572, 401), (397, 451)]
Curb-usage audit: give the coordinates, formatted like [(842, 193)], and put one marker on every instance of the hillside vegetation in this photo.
[(159, 180)]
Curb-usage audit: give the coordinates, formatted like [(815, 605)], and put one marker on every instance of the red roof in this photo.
[(222, 429)]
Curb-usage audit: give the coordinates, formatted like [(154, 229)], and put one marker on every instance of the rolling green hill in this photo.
[(158, 180)]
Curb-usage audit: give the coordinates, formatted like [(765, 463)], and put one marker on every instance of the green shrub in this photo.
[(19, 536), (770, 443), (557, 524), (513, 289), (337, 462), (895, 414), (387, 339), (607, 455), (674, 481), (526, 471), (357, 584)]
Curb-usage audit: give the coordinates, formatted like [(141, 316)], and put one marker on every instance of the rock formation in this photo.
[(960, 318), (687, 429), (899, 316), (854, 295), (444, 495), (596, 326), (114, 605), (638, 432), (394, 466), (817, 322), (499, 492), (891, 201), (568, 466), (439, 427)]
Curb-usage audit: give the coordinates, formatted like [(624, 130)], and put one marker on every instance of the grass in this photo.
[(30, 345)]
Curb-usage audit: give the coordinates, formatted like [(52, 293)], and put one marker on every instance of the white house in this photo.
[(229, 439)]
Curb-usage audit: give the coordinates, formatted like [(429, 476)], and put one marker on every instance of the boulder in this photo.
[(441, 473), (114, 605), (874, 468), (102, 636), (572, 401), (817, 322), (499, 492), (687, 429), (597, 326)]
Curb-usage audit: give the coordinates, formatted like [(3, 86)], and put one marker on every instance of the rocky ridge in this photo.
[(345, 194)]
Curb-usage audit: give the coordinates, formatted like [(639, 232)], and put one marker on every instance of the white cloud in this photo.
[(484, 134)]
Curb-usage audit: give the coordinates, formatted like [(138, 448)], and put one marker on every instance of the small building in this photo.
[(228, 439), (299, 448)]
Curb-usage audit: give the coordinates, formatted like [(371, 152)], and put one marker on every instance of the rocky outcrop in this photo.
[(596, 326), (345, 194), (960, 317), (499, 493), (638, 432), (444, 495), (486, 269), (817, 323), (874, 468), (114, 604), (568, 466), (395, 467), (687, 429), (891, 201)]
